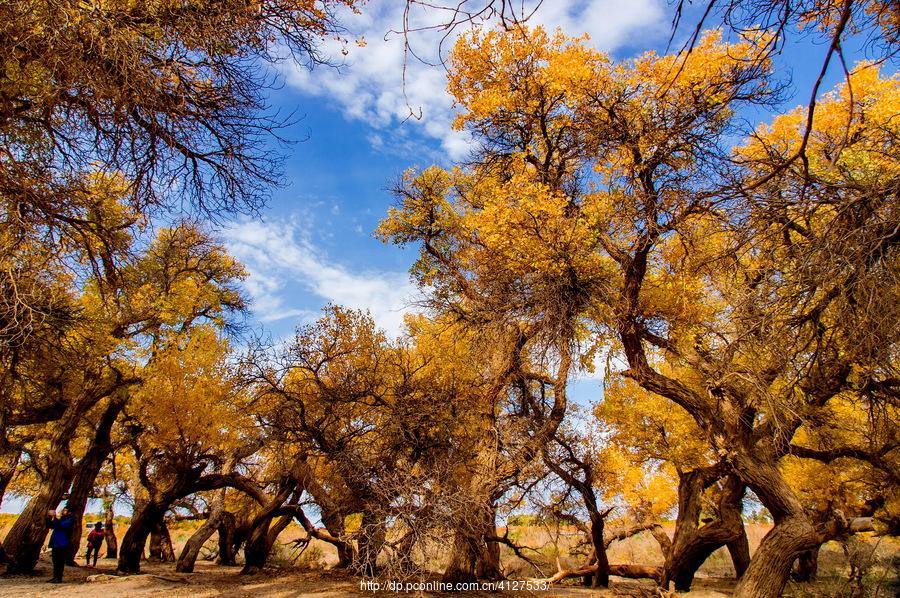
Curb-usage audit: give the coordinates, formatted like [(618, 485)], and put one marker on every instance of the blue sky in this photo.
[(314, 243)]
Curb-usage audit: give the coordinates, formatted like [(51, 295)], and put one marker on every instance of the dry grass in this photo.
[(303, 571)]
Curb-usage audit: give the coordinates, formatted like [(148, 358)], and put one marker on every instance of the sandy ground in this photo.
[(212, 580)]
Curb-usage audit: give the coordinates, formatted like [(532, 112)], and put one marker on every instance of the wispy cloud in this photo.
[(278, 253), (381, 87)]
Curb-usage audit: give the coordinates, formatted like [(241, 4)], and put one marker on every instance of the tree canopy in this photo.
[(738, 289)]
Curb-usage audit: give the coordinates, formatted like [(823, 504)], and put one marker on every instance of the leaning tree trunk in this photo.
[(792, 534), (601, 577), (228, 542), (112, 542), (739, 549), (276, 529), (693, 544), (161, 549), (262, 539), (154, 511), (770, 566), (25, 538), (142, 522), (334, 523), (9, 460), (192, 547), (89, 467), (257, 547), (259, 544)]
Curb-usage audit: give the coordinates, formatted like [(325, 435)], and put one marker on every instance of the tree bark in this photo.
[(142, 522), (487, 563), (472, 557), (9, 460), (262, 539), (154, 510), (771, 565), (228, 544), (461, 568), (112, 542), (89, 467), (334, 523), (256, 550), (257, 547), (192, 547), (161, 549), (601, 577), (739, 549), (25, 538), (335, 539), (369, 544), (792, 534), (693, 544)]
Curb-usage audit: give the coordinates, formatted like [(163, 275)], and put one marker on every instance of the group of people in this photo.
[(60, 543)]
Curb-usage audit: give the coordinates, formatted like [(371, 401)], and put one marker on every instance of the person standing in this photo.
[(60, 540), (94, 542)]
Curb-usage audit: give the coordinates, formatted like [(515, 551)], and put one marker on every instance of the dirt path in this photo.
[(212, 580), (161, 580)]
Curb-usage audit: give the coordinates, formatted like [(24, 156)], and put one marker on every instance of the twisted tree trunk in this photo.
[(192, 547), (25, 538), (89, 467), (739, 549), (792, 534), (262, 539), (472, 557), (161, 548), (333, 535), (693, 544), (154, 510), (334, 523), (142, 522), (228, 542)]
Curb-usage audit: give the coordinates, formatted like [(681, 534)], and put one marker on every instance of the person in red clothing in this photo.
[(94, 542)]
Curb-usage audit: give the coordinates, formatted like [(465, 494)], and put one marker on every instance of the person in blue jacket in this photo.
[(60, 540)]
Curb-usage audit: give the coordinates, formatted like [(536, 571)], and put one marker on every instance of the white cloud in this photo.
[(610, 23), (370, 87), (275, 253)]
